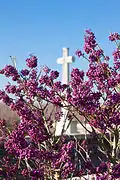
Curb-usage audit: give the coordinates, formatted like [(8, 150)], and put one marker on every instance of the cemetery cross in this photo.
[(65, 61)]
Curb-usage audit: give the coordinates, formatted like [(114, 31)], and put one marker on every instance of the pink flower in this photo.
[(78, 53), (32, 62)]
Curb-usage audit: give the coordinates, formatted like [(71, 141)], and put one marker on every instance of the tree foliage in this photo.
[(33, 147)]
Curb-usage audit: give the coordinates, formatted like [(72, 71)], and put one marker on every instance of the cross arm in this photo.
[(60, 60)]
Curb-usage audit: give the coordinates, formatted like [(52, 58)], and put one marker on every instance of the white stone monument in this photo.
[(75, 128), (65, 61)]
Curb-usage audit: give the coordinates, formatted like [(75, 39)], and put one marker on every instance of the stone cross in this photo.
[(74, 127), (65, 61)]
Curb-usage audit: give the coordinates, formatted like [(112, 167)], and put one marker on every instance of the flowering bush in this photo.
[(31, 150)]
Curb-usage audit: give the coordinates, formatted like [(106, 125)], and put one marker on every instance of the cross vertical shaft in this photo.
[(65, 67)]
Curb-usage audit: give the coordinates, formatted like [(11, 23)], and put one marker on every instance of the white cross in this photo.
[(65, 61), (74, 128)]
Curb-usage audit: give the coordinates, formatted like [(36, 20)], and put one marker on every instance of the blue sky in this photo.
[(43, 27)]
